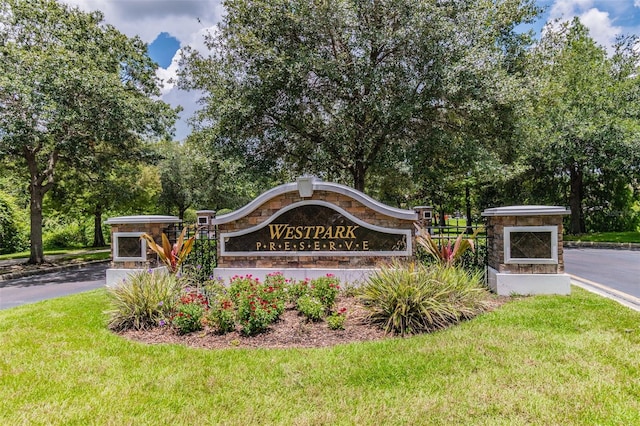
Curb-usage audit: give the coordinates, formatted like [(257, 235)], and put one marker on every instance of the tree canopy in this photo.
[(581, 143), (338, 87), (69, 84)]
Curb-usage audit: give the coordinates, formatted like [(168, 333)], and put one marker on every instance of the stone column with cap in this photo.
[(525, 253), (129, 253)]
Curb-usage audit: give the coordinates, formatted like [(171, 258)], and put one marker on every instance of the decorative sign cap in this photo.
[(305, 185), (527, 211)]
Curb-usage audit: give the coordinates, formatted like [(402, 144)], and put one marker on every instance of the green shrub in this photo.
[(142, 301), (326, 290), (410, 299), (13, 234), (222, 315), (189, 312), (64, 236), (336, 320), (311, 307)]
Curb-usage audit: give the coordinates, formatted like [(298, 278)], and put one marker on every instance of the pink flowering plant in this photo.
[(326, 289), (222, 315), (189, 312), (297, 289), (336, 320), (259, 304)]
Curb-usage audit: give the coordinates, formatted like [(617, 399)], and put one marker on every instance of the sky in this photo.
[(168, 25)]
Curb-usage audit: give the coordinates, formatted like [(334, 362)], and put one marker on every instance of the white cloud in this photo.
[(186, 20), (565, 9), (600, 25), (636, 3)]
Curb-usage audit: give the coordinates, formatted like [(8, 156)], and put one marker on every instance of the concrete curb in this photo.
[(622, 298), (596, 245), (47, 270)]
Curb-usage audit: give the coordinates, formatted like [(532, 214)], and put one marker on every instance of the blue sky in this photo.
[(168, 25)]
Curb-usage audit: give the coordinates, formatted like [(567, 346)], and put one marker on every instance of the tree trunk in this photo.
[(467, 201), (98, 237), (40, 183), (35, 209), (575, 200), (359, 172)]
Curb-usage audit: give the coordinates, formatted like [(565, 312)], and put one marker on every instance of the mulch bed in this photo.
[(290, 331)]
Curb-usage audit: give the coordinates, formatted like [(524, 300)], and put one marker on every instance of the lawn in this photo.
[(539, 360), (606, 237)]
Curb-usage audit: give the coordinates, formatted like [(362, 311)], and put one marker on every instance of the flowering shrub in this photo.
[(259, 304), (326, 289), (298, 289), (189, 312), (311, 307), (222, 315), (336, 320)]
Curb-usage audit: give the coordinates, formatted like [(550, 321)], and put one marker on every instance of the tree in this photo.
[(583, 137), (338, 87), (67, 84)]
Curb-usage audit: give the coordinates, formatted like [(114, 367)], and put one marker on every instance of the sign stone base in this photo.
[(508, 284), (353, 276)]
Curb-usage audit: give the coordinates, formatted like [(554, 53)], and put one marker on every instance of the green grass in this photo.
[(73, 253), (540, 360), (606, 237)]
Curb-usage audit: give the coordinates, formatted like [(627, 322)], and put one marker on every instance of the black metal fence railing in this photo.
[(202, 259), (446, 235)]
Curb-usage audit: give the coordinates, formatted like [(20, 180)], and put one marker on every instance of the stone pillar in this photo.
[(525, 250), (129, 253), (425, 217)]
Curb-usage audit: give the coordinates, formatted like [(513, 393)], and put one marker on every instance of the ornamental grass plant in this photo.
[(143, 300), (414, 298)]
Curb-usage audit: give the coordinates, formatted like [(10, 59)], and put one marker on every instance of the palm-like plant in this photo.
[(171, 256), (445, 251)]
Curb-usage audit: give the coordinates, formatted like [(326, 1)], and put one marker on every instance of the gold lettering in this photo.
[(277, 231), (350, 230), (329, 234), (319, 230), (272, 246), (289, 234), (316, 245), (332, 245), (287, 247), (339, 232), (258, 245), (299, 232), (365, 245), (308, 229), (301, 246), (348, 244)]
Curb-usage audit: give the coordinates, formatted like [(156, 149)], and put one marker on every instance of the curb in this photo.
[(622, 298), (14, 275), (596, 245)]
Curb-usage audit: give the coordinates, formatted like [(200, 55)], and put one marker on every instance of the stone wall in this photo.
[(272, 206)]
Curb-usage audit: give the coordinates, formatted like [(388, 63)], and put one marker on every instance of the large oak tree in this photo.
[(342, 87), (69, 83)]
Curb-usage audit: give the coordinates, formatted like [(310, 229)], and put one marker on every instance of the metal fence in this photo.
[(446, 235), (203, 257)]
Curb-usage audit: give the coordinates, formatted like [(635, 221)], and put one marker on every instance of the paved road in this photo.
[(31, 289), (619, 269)]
